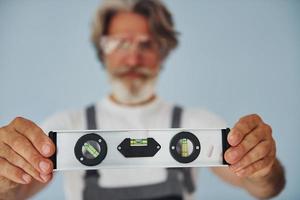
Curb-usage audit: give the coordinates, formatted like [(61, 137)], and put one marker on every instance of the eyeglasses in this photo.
[(123, 44)]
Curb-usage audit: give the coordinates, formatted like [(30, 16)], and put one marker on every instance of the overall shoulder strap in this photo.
[(176, 117), (90, 113)]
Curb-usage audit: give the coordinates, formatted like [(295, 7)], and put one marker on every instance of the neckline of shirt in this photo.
[(110, 105)]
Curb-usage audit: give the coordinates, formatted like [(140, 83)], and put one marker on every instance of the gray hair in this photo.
[(159, 19)]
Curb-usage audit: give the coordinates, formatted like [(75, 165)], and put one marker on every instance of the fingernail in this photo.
[(231, 137), (26, 178), (44, 177), (46, 149), (233, 155), (44, 166)]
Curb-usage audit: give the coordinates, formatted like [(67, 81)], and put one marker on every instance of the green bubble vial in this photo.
[(91, 150)]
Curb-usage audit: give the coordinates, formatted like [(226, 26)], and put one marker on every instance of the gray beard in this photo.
[(132, 91)]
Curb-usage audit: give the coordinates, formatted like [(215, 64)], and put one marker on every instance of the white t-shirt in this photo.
[(109, 115)]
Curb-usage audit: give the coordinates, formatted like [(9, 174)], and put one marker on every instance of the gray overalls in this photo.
[(171, 189)]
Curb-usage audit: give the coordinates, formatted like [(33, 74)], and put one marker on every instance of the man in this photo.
[(132, 39)]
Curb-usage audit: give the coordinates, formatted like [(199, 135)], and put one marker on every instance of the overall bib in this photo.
[(171, 189)]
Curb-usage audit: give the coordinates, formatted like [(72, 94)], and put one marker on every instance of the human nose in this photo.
[(133, 57)]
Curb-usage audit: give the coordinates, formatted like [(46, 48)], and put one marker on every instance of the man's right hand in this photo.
[(24, 153)]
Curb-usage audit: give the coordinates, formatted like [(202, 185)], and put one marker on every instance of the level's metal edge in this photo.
[(148, 166), (114, 130)]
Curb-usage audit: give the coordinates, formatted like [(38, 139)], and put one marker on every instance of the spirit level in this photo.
[(175, 147)]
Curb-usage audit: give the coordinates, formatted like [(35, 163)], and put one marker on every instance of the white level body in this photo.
[(213, 144)]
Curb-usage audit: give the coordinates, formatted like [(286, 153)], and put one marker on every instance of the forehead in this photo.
[(129, 23)]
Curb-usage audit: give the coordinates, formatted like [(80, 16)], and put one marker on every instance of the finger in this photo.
[(244, 126), (13, 173), (234, 154), (35, 135), (47, 177), (259, 152), (24, 148), (255, 167), (8, 183), (15, 159)]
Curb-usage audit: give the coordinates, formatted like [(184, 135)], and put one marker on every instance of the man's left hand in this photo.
[(253, 150)]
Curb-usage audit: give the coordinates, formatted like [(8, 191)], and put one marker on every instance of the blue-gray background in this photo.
[(235, 57)]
